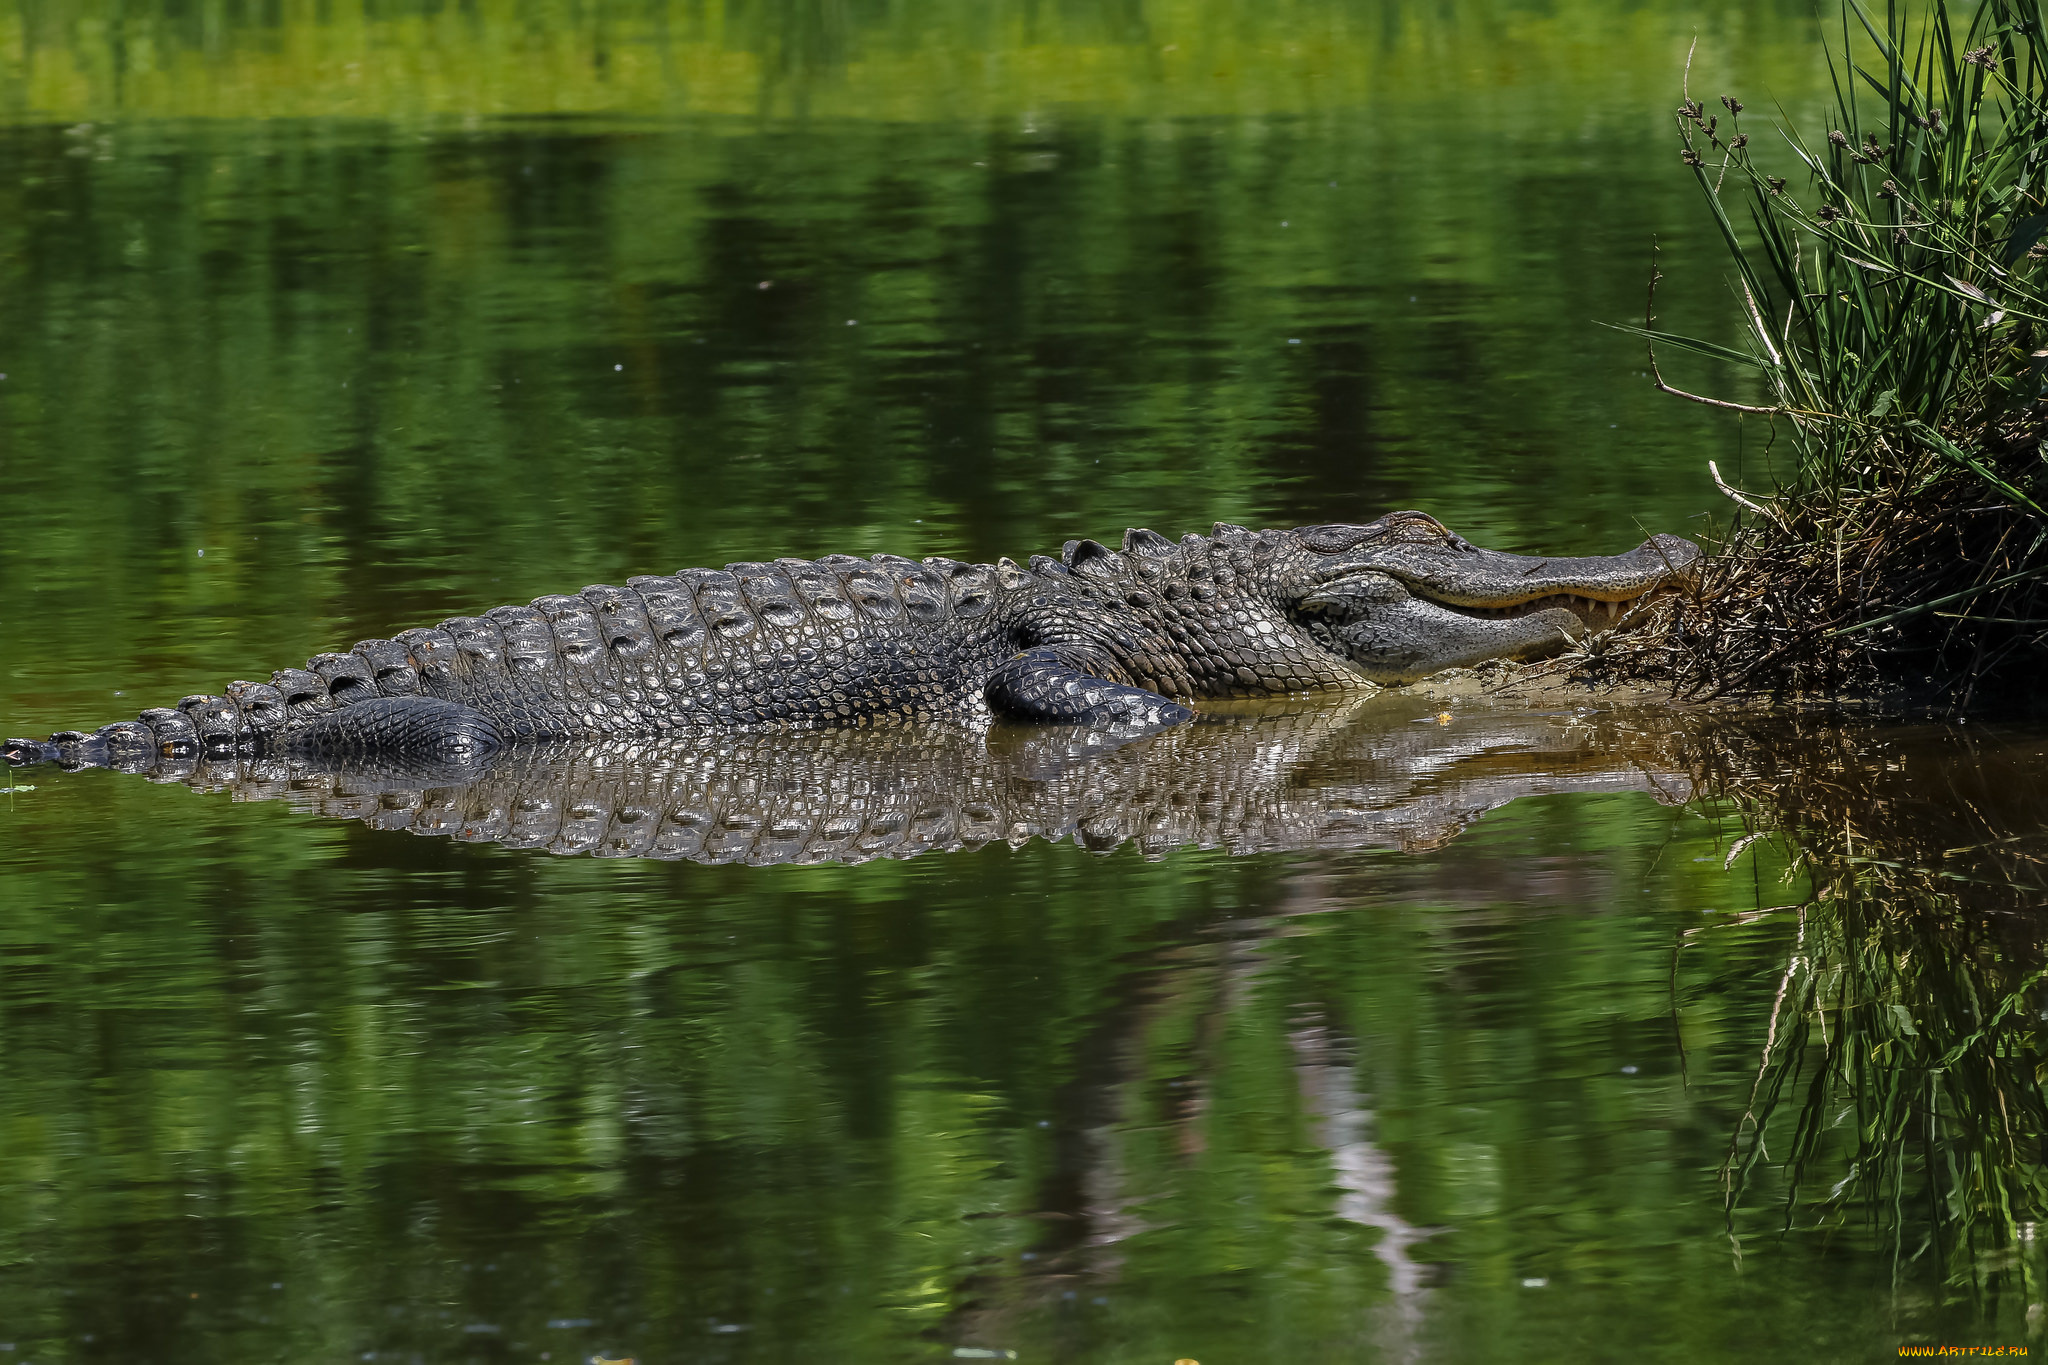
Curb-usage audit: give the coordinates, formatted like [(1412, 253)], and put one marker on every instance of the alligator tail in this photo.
[(128, 744), (297, 712)]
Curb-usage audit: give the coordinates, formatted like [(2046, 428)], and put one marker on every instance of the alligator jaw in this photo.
[(1399, 637), (1492, 580), (1417, 608), (1594, 613)]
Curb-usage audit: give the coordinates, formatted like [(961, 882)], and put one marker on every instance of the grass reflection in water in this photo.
[(1898, 1093)]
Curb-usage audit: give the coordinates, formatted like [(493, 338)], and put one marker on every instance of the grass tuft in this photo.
[(1892, 286)]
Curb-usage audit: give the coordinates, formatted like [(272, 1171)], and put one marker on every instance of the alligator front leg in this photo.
[(1063, 684)]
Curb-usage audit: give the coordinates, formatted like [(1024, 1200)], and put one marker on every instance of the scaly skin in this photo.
[(1124, 639), (1354, 774)]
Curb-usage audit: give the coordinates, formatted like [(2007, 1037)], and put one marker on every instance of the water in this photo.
[(320, 322)]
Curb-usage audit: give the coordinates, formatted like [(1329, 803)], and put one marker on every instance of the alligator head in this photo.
[(1404, 597)]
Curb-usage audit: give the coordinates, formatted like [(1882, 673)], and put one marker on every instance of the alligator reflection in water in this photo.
[(1897, 1097), (1368, 775)]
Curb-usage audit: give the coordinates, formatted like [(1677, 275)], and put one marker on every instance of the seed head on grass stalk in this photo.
[(1893, 308)]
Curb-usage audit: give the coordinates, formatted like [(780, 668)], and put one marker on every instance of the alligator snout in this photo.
[(1422, 608)]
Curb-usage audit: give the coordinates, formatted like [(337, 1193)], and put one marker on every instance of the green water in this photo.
[(322, 320)]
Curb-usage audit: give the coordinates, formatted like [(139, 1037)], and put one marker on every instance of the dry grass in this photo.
[(1919, 592)]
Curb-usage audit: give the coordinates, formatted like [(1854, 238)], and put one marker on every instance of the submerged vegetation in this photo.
[(1897, 1093), (1893, 285)]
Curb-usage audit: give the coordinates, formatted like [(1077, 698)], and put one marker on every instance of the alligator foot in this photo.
[(1056, 684), (424, 727)]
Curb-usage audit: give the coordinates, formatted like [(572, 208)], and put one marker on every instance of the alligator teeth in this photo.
[(1612, 608)]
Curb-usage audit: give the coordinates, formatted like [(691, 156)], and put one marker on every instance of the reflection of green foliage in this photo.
[(821, 59), (1898, 1091), (661, 1096), (713, 1087), (1901, 1079), (379, 379), (810, 1098)]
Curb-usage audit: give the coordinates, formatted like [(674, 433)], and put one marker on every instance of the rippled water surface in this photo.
[(1422, 1030)]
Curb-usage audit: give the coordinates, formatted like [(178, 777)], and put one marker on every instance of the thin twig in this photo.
[(1758, 508), (1657, 375)]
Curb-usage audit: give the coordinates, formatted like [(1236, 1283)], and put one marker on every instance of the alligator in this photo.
[(1388, 771), (1124, 638)]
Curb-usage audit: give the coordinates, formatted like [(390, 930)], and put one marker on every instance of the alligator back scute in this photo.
[(771, 597), (588, 691), (918, 586), (529, 642), (261, 706), (1010, 575), (512, 675), (130, 744), (873, 592), (636, 660), (673, 617), (175, 735), (1046, 564), (480, 665), (970, 588), (433, 655), (821, 590), (723, 607), (1093, 559), (579, 644), (476, 661), (305, 692), (1148, 544), (215, 720), (347, 676), (622, 621), (391, 667)]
